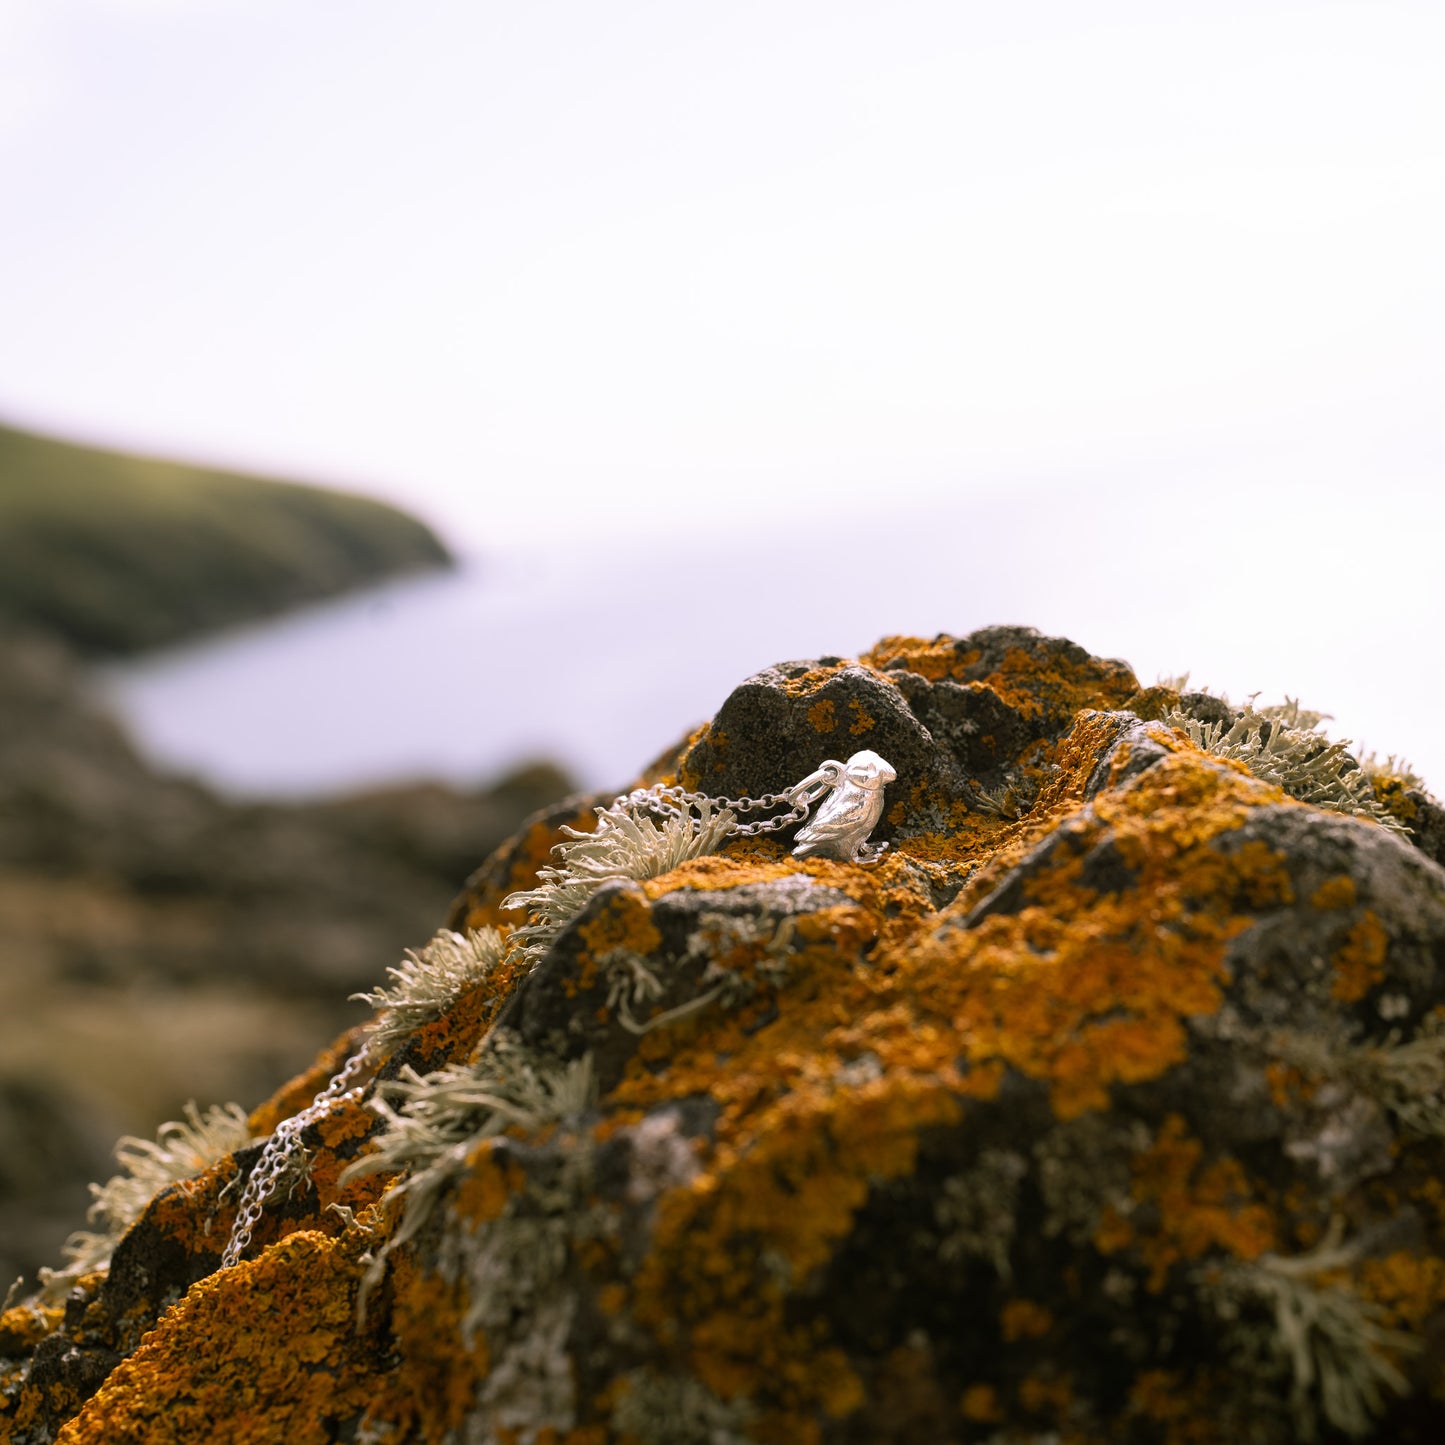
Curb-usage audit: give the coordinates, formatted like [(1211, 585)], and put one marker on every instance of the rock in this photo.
[(1108, 1106)]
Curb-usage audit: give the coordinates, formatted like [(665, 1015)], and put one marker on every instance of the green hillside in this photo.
[(118, 553)]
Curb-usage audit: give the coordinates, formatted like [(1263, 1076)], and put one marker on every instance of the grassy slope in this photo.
[(118, 553)]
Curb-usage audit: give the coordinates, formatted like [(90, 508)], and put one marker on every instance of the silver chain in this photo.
[(671, 801), (280, 1149)]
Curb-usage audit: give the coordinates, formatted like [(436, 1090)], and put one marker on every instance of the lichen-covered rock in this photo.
[(1109, 1106)]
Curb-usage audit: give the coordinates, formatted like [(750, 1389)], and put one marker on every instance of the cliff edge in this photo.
[(118, 553)]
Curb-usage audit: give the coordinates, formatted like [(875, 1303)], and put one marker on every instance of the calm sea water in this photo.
[(600, 658)]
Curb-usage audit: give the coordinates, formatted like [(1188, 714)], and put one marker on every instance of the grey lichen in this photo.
[(428, 982), (513, 1269), (432, 1122), (976, 1211), (725, 939), (1406, 1078), (658, 1409), (181, 1149), (1296, 1322), (1283, 744), (629, 843), (1081, 1167)]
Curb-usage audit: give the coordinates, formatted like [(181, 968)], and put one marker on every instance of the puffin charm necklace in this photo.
[(851, 802), (848, 814)]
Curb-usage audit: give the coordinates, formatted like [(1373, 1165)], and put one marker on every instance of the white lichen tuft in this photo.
[(434, 1121), (1010, 800), (428, 982), (1283, 745), (181, 1150), (629, 844), (1319, 1337), (1408, 1079)]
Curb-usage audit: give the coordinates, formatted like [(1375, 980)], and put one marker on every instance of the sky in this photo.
[(609, 271)]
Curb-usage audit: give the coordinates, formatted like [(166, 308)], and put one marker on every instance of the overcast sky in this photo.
[(614, 265)]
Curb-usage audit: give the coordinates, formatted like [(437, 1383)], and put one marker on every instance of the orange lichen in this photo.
[(810, 681), (1084, 989), (934, 660), (26, 1325), (1152, 704), (348, 1120), (1155, 1395), (486, 1186), (862, 720), (1041, 1395), (1041, 680), (980, 1403), (1288, 1086), (428, 1396), (267, 1350), (1024, 1319), (1409, 1287), (1360, 963), (822, 716), (1393, 794), (624, 921), (1196, 1206), (1334, 893)]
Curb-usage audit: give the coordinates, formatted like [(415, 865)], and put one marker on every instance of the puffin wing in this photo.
[(843, 809)]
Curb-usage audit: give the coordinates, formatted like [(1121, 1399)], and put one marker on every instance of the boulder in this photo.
[(1109, 1106)]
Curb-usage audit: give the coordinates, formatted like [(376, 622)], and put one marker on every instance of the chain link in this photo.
[(668, 800), (279, 1152), (671, 801)]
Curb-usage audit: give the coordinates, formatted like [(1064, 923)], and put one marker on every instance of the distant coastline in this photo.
[(116, 554)]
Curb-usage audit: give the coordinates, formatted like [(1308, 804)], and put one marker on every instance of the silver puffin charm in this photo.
[(849, 813)]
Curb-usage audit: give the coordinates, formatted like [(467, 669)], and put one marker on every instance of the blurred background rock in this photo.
[(159, 942)]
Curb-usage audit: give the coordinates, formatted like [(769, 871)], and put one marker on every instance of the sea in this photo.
[(599, 655)]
